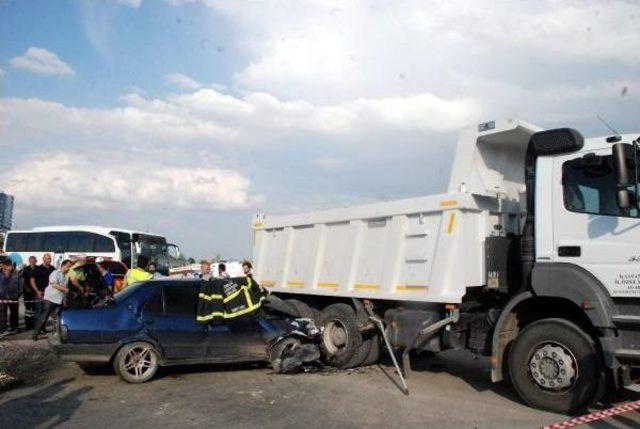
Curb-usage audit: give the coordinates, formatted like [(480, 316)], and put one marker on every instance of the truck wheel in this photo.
[(361, 353), (341, 337), (136, 362), (554, 366), (302, 309), (374, 351)]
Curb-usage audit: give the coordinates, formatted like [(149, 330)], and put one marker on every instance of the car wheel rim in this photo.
[(139, 361), (335, 337), (553, 367)]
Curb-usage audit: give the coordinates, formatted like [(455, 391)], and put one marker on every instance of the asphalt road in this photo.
[(451, 390)]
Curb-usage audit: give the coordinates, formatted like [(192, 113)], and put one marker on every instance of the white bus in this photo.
[(94, 241)]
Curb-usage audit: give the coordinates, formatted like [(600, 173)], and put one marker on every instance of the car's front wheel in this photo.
[(136, 362)]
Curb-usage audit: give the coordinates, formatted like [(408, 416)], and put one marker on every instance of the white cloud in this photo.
[(330, 164), (131, 3), (181, 81), (63, 181), (336, 51), (207, 115), (41, 61)]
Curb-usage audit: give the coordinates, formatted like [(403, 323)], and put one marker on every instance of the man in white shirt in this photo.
[(54, 296)]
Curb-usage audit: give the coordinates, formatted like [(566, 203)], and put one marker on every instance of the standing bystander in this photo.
[(247, 268), (205, 270), (222, 271), (40, 279), (31, 293), (152, 269), (54, 295), (9, 291)]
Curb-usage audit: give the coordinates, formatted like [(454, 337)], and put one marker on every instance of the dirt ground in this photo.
[(24, 363), (451, 390)]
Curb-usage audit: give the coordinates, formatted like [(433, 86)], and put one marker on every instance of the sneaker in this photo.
[(12, 331), (4, 334)]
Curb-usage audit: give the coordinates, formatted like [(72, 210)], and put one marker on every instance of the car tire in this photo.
[(301, 309), (136, 362), (278, 350), (555, 366), (341, 337)]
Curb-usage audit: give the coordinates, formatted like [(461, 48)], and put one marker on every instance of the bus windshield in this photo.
[(155, 248)]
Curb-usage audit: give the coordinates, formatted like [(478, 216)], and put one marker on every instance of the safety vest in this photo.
[(137, 275), (229, 298)]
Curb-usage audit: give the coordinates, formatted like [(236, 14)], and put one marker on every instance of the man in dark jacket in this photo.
[(9, 290)]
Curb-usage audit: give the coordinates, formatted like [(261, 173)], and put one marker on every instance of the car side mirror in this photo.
[(619, 152)]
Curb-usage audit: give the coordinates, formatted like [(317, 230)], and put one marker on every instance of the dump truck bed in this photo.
[(418, 249)]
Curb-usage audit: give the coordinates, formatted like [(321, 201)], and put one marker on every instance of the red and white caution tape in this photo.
[(598, 415), (12, 301)]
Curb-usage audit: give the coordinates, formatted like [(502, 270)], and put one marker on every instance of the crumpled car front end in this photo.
[(291, 343)]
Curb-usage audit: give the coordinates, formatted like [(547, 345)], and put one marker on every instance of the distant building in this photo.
[(6, 211)]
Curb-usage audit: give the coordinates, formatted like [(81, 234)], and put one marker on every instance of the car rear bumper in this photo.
[(82, 352)]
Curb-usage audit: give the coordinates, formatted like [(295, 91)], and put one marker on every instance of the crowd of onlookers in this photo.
[(45, 289)]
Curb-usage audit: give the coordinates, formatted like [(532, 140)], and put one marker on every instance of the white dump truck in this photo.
[(532, 257)]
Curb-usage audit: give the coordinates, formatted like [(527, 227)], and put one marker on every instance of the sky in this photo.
[(187, 117)]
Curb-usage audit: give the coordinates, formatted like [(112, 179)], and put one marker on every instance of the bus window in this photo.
[(103, 244), (16, 242), (35, 242), (56, 241), (80, 242)]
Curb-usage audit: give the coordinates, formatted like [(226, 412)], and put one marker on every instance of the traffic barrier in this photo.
[(598, 415)]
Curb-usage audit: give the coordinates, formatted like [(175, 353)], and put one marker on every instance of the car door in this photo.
[(590, 230), (235, 340), (169, 316)]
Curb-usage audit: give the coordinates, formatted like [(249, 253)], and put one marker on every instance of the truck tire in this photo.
[(361, 353), (374, 351), (341, 338), (136, 362), (554, 365), (301, 309)]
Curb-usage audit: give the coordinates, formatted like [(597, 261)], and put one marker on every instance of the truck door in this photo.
[(589, 229)]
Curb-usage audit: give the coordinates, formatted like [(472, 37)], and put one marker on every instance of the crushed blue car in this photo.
[(154, 324)]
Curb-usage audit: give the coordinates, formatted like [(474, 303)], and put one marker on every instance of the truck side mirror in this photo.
[(619, 152)]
